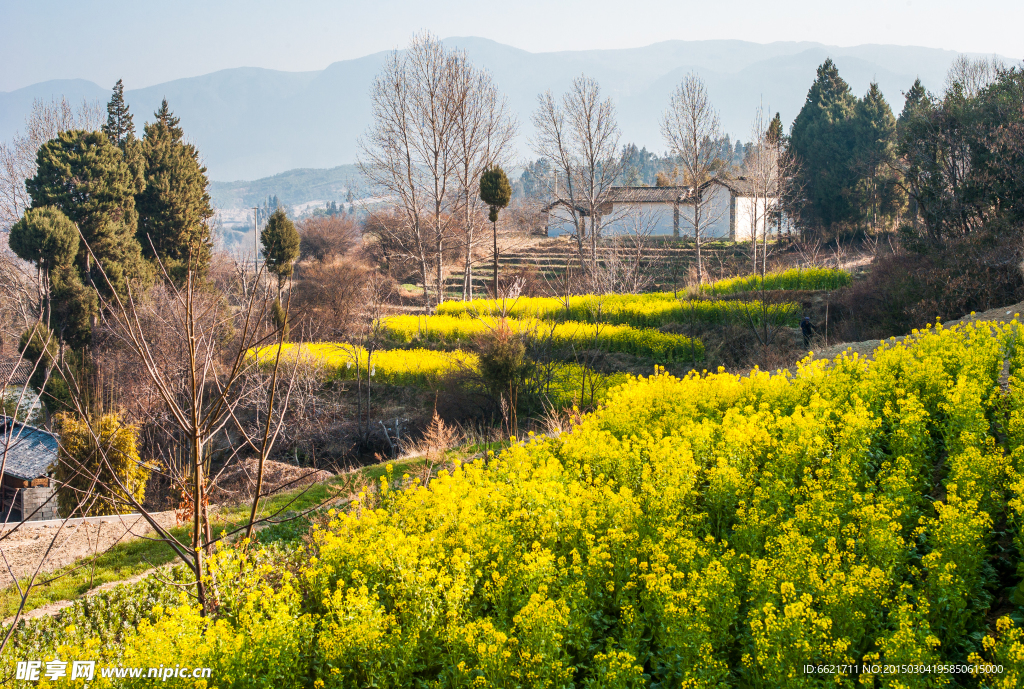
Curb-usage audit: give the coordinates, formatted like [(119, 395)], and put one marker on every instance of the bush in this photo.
[(88, 473), (911, 289)]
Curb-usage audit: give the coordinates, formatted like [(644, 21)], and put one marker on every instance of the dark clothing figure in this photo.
[(808, 330)]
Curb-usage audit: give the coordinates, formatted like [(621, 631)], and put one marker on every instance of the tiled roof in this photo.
[(30, 452), (14, 372), (648, 194)]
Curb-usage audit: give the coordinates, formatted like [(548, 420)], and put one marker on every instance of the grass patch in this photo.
[(127, 559)]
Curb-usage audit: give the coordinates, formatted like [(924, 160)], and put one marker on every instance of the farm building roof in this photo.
[(14, 372), (26, 452)]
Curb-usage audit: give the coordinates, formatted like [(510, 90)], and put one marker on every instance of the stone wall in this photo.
[(42, 498)]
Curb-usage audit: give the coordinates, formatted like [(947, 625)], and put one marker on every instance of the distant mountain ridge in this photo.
[(251, 123)]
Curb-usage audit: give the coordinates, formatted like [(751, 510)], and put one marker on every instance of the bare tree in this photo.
[(580, 136), (973, 74), (485, 130), (769, 168), (691, 129), (389, 160), (195, 351), (417, 145), (18, 158)]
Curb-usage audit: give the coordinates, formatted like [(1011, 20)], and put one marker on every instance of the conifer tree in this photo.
[(86, 177), (775, 133), (822, 138), (496, 192), (280, 242), (174, 207), (119, 124), (120, 129), (874, 132), (47, 238)]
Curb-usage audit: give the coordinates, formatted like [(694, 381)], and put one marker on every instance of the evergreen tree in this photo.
[(47, 238), (119, 124), (120, 129), (280, 242), (174, 207), (874, 131), (822, 138), (774, 134), (86, 177)]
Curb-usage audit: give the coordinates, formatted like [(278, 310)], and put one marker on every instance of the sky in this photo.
[(146, 42)]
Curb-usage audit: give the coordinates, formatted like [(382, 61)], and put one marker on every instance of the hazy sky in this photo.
[(146, 42)]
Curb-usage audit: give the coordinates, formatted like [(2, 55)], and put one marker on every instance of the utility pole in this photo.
[(256, 239)]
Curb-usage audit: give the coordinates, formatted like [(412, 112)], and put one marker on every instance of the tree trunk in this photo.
[(494, 226)]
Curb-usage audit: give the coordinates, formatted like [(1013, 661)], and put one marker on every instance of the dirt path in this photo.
[(868, 347), (22, 549)]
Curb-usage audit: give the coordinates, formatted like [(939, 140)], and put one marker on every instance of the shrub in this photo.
[(88, 473)]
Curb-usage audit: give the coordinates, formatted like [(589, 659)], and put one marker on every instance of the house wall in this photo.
[(623, 218), (714, 215), (638, 218), (32, 498), (751, 211)]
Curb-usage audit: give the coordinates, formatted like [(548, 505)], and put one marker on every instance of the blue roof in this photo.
[(26, 452)]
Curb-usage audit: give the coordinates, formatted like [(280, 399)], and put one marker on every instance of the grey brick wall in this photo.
[(31, 498)]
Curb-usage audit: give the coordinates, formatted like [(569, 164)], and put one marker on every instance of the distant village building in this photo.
[(29, 459), (731, 210), (14, 386)]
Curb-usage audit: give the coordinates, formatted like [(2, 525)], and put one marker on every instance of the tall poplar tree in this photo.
[(174, 207), (823, 141)]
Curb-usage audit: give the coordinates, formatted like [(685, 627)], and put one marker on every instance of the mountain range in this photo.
[(251, 123)]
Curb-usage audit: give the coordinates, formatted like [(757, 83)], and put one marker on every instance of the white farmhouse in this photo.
[(730, 210)]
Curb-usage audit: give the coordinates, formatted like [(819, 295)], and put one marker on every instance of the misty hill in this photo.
[(294, 187), (251, 123)]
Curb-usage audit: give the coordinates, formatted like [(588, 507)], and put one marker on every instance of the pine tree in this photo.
[(120, 130), (775, 132), (119, 124), (86, 177), (874, 131), (280, 242), (174, 207), (822, 138)]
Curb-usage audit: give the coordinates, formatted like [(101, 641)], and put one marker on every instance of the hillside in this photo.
[(250, 123)]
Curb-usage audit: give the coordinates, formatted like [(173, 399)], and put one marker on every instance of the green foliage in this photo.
[(174, 208), (823, 140), (280, 318), (40, 347), (46, 237), (86, 177), (96, 460), (495, 190), (502, 360), (962, 156), (280, 241), (119, 126)]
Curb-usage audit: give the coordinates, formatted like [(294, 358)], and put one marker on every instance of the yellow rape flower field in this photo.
[(856, 523), (665, 347)]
